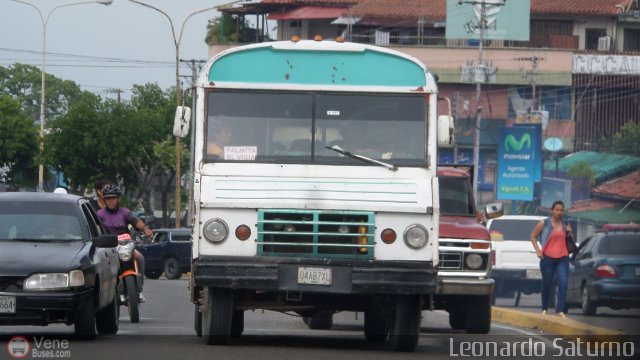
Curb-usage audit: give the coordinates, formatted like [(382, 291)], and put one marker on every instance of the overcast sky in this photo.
[(137, 40)]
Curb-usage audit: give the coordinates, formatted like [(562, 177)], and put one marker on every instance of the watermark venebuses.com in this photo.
[(39, 347), (536, 348)]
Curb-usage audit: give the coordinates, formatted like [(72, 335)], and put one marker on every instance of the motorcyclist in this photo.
[(116, 220)]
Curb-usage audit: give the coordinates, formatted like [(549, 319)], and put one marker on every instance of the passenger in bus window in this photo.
[(221, 138)]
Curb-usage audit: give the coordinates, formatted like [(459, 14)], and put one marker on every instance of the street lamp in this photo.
[(176, 41), (45, 21)]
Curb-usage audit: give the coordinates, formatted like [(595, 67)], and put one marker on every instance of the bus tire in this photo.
[(405, 330), (218, 315)]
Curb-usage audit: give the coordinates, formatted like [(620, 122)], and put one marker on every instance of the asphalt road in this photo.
[(166, 332)]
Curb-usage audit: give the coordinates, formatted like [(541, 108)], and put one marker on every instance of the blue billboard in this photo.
[(516, 163)]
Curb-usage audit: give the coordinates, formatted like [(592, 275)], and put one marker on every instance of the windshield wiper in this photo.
[(339, 150)]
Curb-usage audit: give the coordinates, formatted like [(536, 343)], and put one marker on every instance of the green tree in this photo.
[(18, 144), (75, 144), (23, 82), (627, 141), (582, 175), (228, 29)]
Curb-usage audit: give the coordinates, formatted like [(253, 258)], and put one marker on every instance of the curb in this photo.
[(552, 324)]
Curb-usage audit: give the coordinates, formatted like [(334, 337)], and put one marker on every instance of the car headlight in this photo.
[(215, 230), (54, 281), (416, 236), (473, 261)]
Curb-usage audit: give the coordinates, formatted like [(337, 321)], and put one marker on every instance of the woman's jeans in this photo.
[(559, 267)]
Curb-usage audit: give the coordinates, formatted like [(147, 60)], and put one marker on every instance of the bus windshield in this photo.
[(288, 127)]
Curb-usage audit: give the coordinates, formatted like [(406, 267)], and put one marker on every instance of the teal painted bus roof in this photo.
[(290, 66)]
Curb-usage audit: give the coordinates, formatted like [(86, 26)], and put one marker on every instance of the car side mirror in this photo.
[(105, 241), (494, 210)]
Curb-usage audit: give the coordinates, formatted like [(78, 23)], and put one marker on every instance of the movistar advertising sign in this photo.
[(516, 161)]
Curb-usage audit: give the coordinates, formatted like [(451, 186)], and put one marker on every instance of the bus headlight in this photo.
[(215, 230), (473, 261), (416, 236)]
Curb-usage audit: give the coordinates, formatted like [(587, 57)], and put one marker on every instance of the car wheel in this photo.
[(588, 307), (85, 322), (172, 269), (108, 319), (405, 330), (478, 314), (376, 328), (133, 298), (237, 323), (218, 316), (153, 275), (197, 320)]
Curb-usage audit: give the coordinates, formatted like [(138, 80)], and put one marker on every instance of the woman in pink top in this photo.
[(554, 256)]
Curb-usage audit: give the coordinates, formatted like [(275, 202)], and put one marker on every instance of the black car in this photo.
[(57, 264), (169, 251), (606, 270)]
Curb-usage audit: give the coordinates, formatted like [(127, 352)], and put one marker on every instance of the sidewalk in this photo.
[(552, 324)]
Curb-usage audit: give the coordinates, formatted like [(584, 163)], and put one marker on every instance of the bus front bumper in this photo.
[(333, 276)]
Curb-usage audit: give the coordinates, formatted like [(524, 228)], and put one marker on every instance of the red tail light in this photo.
[(493, 257), (606, 271)]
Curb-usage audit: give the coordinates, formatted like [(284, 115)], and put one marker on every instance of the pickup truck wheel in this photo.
[(197, 320), (218, 316), (376, 329), (237, 323), (172, 269), (107, 320), (153, 275), (478, 314), (85, 322), (405, 329)]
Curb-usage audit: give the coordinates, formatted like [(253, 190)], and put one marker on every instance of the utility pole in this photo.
[(534, 71), (480, 75)]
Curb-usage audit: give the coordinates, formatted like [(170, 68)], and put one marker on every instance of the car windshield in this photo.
[(512, 229), (39, 221), (271, 127), (620, 244), (455, 196)]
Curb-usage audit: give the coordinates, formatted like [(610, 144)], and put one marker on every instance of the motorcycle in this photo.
[(130, 282)]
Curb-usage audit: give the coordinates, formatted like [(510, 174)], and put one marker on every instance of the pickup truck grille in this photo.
[(450, 260), (316, 233)]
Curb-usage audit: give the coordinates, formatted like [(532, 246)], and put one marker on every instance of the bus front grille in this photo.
[(316, 233)]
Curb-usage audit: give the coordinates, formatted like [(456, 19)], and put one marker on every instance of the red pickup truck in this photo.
[(464, 283)]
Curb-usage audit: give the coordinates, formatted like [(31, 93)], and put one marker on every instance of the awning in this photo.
[(308, 12)]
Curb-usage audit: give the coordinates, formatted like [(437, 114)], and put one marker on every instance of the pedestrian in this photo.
[(554, 256), (98, 201)]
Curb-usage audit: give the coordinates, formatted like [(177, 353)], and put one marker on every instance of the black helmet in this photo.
[(110, 190)]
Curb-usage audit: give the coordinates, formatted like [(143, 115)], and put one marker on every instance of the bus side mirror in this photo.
[(181, 121), (494, 210), (445, 131)]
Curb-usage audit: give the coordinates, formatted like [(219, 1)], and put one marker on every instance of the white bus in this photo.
[(315, 188)]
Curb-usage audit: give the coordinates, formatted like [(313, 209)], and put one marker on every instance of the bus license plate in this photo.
[(314, 276), (7, 304), (534, 274)]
